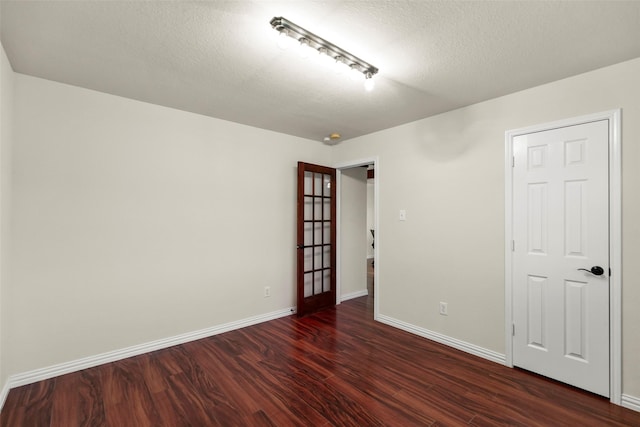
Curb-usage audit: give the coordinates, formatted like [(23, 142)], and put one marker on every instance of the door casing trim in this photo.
[(376, 203), (615, 239)]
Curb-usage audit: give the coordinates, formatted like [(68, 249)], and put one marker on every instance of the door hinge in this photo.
[(513, 329), (513, 161), (609, 271), (513, 246)]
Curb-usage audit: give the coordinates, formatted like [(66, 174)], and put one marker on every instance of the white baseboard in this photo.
[(112, 356), (352, 295), (630, 402), (4, 393), (443, 339)]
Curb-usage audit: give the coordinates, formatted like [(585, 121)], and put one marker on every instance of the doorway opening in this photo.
[(358, 247)]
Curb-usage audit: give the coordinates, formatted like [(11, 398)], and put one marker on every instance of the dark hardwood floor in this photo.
[(334, 368)]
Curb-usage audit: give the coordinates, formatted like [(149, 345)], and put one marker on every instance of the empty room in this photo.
[(331, 213)]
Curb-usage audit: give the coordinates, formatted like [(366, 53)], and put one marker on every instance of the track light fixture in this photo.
[(291, 34)]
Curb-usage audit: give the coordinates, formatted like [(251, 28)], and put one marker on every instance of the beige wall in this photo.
[(447, 171), (6, 125), (353, 231), (135, 222)]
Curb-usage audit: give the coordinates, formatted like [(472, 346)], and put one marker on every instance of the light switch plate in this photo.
[(403, 215)]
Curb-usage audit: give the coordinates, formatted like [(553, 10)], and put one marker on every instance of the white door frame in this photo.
[(615, 239), (376, 186)]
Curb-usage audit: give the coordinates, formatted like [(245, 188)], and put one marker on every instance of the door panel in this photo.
[(316, 277), (561, 225)]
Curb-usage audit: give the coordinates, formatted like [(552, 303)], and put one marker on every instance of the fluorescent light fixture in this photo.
[(343, 60)]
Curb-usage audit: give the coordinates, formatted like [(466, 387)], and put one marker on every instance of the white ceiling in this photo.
[(220, 58)]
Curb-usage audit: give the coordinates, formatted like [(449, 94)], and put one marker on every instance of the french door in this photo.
[(316, 278)]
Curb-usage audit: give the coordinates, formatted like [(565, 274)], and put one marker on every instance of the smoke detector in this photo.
[(332, 139)]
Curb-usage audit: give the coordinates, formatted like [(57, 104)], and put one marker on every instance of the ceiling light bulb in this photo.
[(305, 47), (341, 65), (369, 83), (284, 41), (355, 72), (325, 55)]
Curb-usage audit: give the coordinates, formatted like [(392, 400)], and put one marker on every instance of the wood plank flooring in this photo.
[(334, 368)]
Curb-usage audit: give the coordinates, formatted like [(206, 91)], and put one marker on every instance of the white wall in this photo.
[(6, 125), (353, 229), (135, 222), (447, 172)]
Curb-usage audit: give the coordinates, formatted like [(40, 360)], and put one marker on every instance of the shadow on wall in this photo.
[(446, 137)]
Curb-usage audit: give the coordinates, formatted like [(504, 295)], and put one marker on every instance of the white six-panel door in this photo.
[(561, 225)]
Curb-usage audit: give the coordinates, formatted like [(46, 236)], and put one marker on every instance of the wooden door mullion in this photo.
[(313, 234)]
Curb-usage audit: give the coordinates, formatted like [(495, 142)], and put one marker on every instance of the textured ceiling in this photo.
[(220, 58)]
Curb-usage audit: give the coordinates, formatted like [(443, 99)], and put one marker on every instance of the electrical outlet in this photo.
[(443, 309), (267, 291)]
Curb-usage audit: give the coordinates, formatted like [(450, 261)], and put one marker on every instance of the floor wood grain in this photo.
[(334, 368)]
